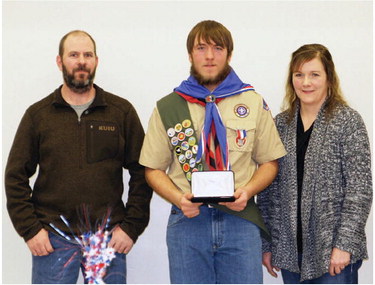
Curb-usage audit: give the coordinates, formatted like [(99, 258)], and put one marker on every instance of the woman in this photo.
[(317, 207)]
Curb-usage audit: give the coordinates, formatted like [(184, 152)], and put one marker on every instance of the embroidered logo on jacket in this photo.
[(107, 128)]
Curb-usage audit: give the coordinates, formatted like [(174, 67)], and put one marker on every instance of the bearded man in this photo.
[(212, 122), (81, 138)]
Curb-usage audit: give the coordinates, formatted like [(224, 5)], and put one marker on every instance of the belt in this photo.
[(207, 205)]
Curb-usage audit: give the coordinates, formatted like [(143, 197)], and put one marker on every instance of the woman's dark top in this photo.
[(302, 144)]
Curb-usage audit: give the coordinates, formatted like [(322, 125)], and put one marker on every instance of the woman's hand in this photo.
[(266, 261), (339, 260)]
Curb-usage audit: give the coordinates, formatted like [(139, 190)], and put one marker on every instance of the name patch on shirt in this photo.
[(107, 128)]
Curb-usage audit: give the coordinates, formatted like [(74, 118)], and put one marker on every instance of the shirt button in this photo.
[(86, 112)]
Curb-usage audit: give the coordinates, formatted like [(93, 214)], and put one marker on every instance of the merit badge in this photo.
[(181, 158), (189, 154), (178, 149), (189, 132), (186, 123), (178, 127), (188, 176), (171, 132), (241, 110), (174, 141), (192, 162), (186, 167), (241, 138), (184, 145), (181, 136), (195, 149), (192, 141)]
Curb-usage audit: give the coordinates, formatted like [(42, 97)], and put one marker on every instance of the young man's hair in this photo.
[(75, 32), (210, 31)]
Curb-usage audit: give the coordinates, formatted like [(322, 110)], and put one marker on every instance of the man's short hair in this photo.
[(62, 41), (210, 31)]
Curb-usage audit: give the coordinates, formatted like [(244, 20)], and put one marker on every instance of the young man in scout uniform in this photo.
[(212, 121)]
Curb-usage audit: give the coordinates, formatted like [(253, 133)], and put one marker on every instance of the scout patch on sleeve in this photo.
[(265, 106)]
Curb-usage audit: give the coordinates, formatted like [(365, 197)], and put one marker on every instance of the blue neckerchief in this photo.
[(230, 86)]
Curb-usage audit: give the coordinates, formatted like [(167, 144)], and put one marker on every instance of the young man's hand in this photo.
[(189, 208)]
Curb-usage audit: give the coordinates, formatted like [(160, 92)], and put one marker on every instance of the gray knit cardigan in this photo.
[(336, 193)]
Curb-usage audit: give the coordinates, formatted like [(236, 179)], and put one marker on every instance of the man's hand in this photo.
[(266, 260), (339, 260), (120, 241), (40, 245), (189, 208), (241, 196)]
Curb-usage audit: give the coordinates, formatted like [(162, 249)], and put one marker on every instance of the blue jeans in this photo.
[(63, 265), (347, 276), (213, 247)]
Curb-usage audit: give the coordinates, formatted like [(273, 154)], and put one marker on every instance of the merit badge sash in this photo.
[(176, 118)]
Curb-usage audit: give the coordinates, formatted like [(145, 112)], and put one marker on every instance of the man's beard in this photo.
[(210, 81), (79, 85)]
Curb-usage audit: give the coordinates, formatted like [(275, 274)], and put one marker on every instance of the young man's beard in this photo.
[(210, 81), (79, 86)]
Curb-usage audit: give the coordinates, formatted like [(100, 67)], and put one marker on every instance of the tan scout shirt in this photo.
[(262, 139)]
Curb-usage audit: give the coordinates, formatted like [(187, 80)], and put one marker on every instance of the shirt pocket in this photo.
[(102, 140), (241, 134)]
